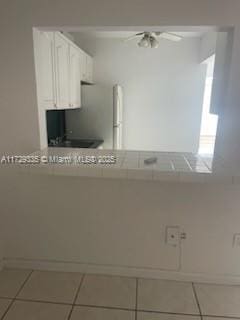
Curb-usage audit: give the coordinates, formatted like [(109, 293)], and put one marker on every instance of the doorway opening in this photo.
[(209, 121)]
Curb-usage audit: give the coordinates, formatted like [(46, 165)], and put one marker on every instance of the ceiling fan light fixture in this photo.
[(151, 39), (154, 43), (144, 42)]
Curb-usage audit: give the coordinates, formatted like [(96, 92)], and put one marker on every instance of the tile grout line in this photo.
[(140, 310), (223, 317), (22, 286), (8, 308), (75, 298), (196, 298), (136, 305), (124, 309), (103, 307), (44, 301), (170, 313), (14, 298), (187, 314)]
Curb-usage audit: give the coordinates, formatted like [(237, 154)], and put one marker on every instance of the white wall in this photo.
[(17, 63), (163, 90), (117, 226), (208, 45), (209, 215), (227, 143), (2, 241)]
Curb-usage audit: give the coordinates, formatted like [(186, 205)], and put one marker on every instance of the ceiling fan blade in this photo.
[(134, 36), (170, 36)]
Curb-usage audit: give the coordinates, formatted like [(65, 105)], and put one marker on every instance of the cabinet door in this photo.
[(46, 72), (62, 71), (89, 69), (74, 81), (83, 65)]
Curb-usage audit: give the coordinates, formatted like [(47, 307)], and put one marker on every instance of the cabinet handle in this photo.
[(55, 105)]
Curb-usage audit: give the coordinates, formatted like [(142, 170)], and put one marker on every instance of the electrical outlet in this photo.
[(172, 236), (236, 240)]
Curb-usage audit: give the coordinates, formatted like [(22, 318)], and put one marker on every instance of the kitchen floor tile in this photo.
[(164, 316), (166, 296), (4, 303), (219, 300), (107, 291), (22, 310), (103, 297), (11, 281), (51, 286), (90, 313)]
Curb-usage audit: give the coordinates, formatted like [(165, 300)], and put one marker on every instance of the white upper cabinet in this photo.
[(45, 68), (83, 66), (62, 71), (89, 69), (60, 68), (74, 74), (86, 67)]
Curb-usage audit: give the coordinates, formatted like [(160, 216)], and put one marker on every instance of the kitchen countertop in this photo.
[(170, 166)]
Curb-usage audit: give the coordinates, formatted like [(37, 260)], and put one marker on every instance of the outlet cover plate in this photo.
[(172, 236), (236, 240)]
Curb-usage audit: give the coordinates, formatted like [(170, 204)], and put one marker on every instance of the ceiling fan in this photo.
[(150, 39)]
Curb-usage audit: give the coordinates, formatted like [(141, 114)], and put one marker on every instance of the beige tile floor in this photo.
[(43, 295)]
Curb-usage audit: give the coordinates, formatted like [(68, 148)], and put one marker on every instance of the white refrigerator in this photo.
[(117, 117), (100, 116)]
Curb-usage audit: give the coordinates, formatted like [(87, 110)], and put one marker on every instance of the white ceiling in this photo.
[(185, 32)]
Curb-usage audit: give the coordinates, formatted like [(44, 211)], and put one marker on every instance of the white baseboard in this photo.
[(120, 271)]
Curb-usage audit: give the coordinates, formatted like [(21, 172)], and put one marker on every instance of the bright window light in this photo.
[(209, 121)]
